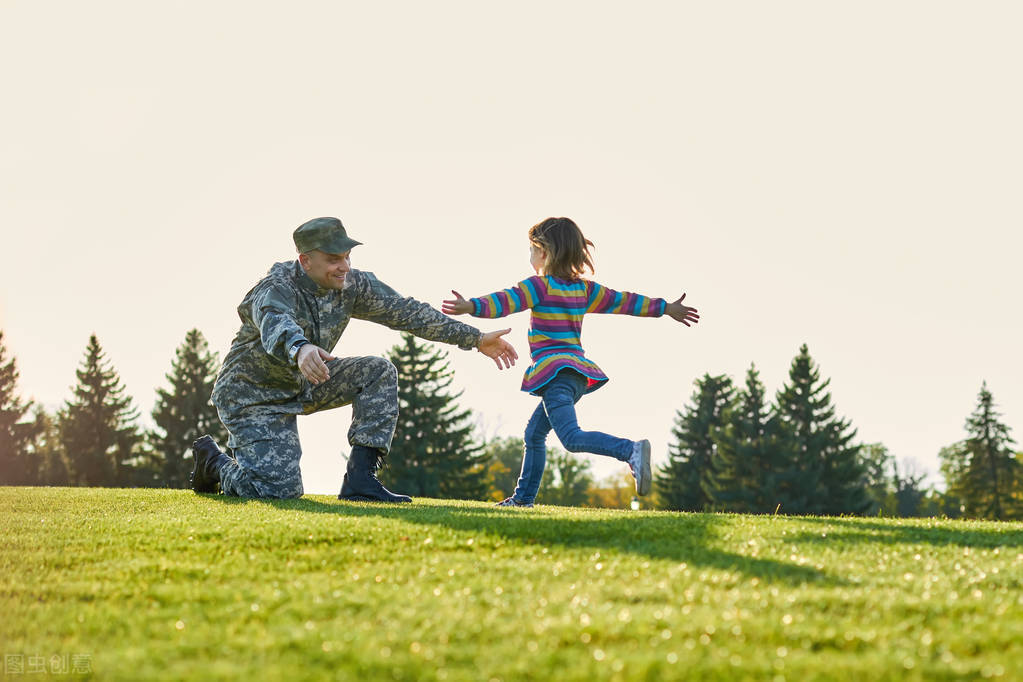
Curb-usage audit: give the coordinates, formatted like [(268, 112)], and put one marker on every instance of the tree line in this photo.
[(731, 450), (95, 439), (734, 451)]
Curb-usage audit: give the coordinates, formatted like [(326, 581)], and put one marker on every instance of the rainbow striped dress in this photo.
[(556, 322)]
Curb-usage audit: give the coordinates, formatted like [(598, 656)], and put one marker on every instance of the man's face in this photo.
[(328, 270)]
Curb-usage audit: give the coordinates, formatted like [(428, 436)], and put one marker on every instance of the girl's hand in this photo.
[(682, 313), (458, 306)]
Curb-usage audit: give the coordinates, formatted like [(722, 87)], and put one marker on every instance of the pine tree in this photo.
[(16, 435), (183, 412), (991, 482), (679, 483), (433, 453), (97, 428), (750, 469), (566, 481), (831, 476)]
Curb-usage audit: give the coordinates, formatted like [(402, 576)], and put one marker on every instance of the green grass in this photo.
[(161, 584)]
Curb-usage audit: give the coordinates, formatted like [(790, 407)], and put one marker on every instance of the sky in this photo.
[(844, 175)]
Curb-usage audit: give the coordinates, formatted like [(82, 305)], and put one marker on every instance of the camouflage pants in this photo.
[(264, 438)]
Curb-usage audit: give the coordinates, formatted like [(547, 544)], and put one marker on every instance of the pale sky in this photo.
[(846, 175)]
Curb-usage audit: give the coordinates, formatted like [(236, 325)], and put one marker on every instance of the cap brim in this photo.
[(342, 245)]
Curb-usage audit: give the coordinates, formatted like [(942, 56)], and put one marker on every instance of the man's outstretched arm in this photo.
[(376, 302)]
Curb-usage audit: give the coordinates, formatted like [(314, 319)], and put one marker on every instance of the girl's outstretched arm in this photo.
[(604, 299), (522, 296)]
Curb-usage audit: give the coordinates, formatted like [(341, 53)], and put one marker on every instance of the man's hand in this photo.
[(457, 306), (496, 348), (312, 363), (682, 313)]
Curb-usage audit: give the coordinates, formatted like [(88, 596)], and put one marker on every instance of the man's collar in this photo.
[(306, 282)]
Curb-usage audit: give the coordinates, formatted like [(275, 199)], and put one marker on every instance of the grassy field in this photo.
[(158, 584)]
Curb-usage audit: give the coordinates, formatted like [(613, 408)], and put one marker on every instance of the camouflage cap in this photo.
[(325, 234)]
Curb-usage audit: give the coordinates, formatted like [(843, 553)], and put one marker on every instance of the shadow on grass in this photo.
[(912, 531), (684, 538)]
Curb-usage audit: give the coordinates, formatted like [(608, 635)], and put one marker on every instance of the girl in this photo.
[(561, 373)]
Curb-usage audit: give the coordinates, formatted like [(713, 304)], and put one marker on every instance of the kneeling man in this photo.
[(280, 366)]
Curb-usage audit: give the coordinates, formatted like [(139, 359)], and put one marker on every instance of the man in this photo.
[(280, 366)]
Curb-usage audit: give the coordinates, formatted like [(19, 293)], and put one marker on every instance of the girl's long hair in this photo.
[(568, 251)]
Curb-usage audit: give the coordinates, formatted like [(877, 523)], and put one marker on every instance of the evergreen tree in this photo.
[(433, 453), (183, 412), (568, 479), (990, 484), (97, 428), (679, 483), (831, 476), (750, 469), (16, 435)]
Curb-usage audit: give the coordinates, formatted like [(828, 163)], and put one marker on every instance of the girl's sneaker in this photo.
[(512, 502), (640, 465)]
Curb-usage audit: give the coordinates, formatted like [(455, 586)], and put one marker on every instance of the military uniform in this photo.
[(260, 390)]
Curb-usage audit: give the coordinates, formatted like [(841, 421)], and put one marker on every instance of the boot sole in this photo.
[(364, 498), (643, 482)]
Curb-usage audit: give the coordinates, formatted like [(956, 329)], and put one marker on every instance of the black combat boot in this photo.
[(209, 458), (361, 482)]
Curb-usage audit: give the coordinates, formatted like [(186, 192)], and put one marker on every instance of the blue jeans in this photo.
[(557, 410)]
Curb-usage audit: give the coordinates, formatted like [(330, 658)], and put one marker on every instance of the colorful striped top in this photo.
[(556, 322)]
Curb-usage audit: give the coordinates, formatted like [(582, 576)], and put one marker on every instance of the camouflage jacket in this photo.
[(286, 306)]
